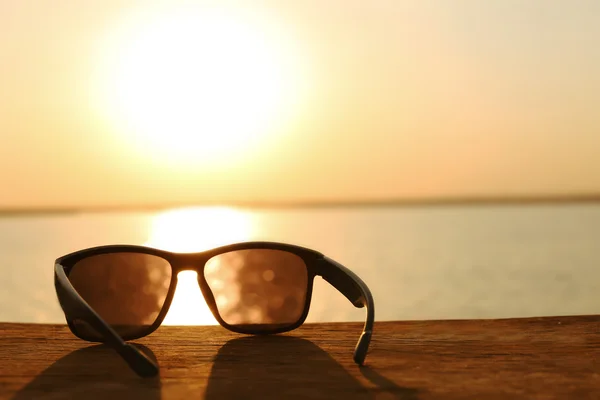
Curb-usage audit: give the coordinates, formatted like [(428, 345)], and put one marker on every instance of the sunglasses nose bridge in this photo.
[(189, 262)]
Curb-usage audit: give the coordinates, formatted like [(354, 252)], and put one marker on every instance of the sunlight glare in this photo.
[(191, 83), (193, 230), (196, 229), (188, 306)]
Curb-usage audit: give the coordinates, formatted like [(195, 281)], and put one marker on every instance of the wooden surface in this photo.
[(541, 358)]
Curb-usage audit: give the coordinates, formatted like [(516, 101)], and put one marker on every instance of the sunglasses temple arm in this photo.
[(76, 308), (357, 291)]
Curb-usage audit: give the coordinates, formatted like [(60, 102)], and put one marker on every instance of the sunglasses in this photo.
[(116, 293)]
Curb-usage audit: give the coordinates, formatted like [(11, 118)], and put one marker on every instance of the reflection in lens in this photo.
[(259, 287), (128, 290)]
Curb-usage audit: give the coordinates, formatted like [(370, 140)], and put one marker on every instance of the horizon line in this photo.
[(303, 204)]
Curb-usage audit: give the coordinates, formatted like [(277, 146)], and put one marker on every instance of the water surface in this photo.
[(420, 262)]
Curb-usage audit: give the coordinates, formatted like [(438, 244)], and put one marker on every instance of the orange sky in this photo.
[(385, 99)]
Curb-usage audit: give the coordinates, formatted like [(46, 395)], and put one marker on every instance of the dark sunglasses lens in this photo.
[(258, 290), (128, 290)]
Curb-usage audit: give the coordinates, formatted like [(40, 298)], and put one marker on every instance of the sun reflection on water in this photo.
[(193, 230)]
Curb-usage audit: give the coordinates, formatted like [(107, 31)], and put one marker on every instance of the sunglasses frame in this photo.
[(78, 311)]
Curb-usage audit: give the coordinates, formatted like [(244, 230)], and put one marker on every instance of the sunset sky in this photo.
[(116, 103)]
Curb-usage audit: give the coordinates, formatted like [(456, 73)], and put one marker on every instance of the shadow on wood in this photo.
[(94, 372), (248, 367), (288, 367)]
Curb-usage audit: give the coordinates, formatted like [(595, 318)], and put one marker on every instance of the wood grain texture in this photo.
[(533, 358)]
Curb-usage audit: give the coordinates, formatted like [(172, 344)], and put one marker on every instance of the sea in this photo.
[(420, 262)]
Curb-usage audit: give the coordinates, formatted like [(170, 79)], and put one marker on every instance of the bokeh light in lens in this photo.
[(128, 290), (258, 287)]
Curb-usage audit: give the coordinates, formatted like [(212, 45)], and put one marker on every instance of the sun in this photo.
[(197, 82)]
